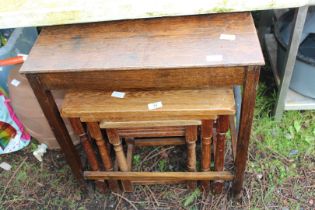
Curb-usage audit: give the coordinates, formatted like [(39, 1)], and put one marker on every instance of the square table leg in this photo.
[(247, 114), (52, 114)]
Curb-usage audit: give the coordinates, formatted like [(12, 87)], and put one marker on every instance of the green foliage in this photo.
[(162, 165), (188, 200), (136, 160), (3, 40), (33, 146), (280, 145), (294, 132)]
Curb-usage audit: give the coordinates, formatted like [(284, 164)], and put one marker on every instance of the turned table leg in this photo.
[(247, 114), (114, 139), (222, 128), (88, 149), (206, 134), (191, 138), (96, 133)]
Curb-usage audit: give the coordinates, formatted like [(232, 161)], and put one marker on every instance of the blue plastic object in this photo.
[(20, 41), (303, 77)]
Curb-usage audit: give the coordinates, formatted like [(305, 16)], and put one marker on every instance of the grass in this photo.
[(280, 172)]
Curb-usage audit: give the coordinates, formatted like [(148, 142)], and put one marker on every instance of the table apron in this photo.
[(156, 79)]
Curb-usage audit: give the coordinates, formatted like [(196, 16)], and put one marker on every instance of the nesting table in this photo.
[(167, 53)]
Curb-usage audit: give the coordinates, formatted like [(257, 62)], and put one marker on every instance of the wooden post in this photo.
[(247, 114), (222, 128), (120, 156), (233, 135), (130, 149), (87, 147), (96, 133), (191, 138), (206, 134), (52, 114)]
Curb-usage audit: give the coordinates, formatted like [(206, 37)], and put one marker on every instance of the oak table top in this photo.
[(177, 104), (159, 43)]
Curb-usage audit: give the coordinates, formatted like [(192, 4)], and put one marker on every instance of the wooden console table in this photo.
[(148, 54)]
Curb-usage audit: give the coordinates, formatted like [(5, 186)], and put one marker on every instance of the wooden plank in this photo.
[(143, 124), (233, 135), (53, 12), (176, 104), (148, 176), (159, 141), (152, 133), (157, 79), (154, 182), (162, 43), (247, 114)]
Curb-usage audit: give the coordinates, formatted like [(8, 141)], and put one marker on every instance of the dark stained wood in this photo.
[(169, 42), (115, 140), (51, 112), (159, 141), (96, 133), (148, 176), (206, 134), (191, 138), (247, 114), (163, 79), (177, 104), (233, 135), (130, 150), (221, 129), (88, 149), (222, 124)]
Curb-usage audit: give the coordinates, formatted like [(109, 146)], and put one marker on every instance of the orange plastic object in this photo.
[(12, 61)]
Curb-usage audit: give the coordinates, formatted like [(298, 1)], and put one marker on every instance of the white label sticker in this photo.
[(230, 37), (5, 166), (15, 82), (23, 55), (155, 105), (117, 94), (214, 58)]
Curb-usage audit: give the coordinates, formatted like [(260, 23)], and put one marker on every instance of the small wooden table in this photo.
[(147, 54)]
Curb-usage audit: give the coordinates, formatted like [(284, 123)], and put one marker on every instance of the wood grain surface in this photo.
[(148, 176), (143, 124), (177, 104), (157, 79), (169, 42)]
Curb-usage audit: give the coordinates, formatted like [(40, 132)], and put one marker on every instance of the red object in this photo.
[(12, 61)]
